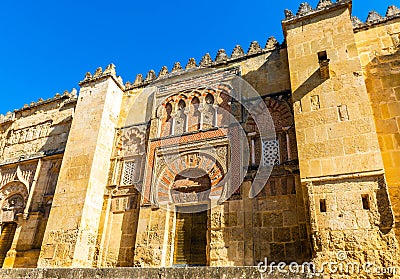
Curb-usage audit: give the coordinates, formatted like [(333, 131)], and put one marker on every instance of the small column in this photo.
[(186, 112), (286, 130), (201, 110), (172, 132), (252, 148), (215, 118)]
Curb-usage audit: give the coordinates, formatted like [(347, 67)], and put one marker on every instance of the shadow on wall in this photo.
[(128, 234), (272, 76), (32, 232), (57, 138), (273, 224), (383, 86), (278, 217), (308, 85)]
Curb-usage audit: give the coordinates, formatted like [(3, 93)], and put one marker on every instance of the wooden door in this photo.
[(191, 239)]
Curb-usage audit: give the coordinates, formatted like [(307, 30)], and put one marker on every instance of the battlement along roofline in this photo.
[(374, 19), (221, 58), (305, 11)]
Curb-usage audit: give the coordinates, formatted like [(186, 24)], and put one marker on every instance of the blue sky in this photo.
[(47, 46)]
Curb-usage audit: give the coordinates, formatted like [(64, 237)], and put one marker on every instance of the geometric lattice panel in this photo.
[(270, 153), (128, 176)]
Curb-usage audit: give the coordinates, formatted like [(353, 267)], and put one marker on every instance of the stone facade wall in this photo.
[(151, 247), (337, 139), (334, 124), (279, 216), (83, 176), (353, 216), (242, 231), (379, 51), (117, 243), (37, 129), (231, 225), (95, 180), (32, 143), (144, 273)]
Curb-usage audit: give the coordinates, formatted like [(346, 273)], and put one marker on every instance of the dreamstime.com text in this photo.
[(334, 267)]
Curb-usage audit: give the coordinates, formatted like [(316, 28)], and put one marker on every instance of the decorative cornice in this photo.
[(163, 72), (177, 67), (206, 60), (271, 44), (375, 18), (237, 52), (68, 96), (9, 117), (356, 21), (392, 11), (221, 58), (151, 75), (191, 64), (254, 48), (139, 79), (323, 4), (305, 10), (100, 74)]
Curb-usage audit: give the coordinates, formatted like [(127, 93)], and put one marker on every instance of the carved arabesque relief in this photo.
[(212, 164), (22, 173), (14, 190), (130, 149), (129, 172), (395, 36), (13, 197), (132, 141), (272, 151), (190, 111), (26, 134)]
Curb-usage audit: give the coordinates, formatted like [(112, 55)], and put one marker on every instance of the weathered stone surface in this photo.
[(373, 17), (237, 52), (392, 11), (341, 209), (206, 60), (151, 273), (323, 4), (102, 192), (221, 56), (304, 9)]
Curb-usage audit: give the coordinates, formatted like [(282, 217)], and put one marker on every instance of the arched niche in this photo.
[(180, 119), (194, 117), (280, 113), (202, 174), (209, 111), (13, 198), (193, 182), (190, 111)]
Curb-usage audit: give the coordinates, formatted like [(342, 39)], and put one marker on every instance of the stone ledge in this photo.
[(144, 273)]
